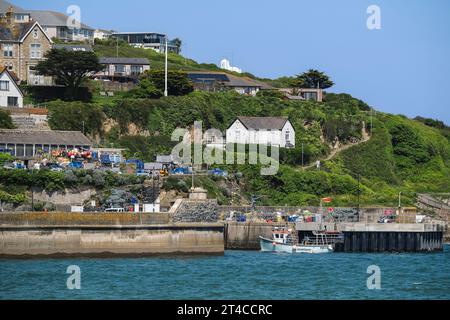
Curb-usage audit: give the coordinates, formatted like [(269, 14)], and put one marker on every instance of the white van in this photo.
[(115, 210)]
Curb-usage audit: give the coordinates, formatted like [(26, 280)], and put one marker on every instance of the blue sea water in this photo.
[(236, 275)]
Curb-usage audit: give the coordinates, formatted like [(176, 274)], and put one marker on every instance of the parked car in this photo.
[(218, 173), (387, 219), (54, 167), (143, 174), (115, 210), (75, 165)]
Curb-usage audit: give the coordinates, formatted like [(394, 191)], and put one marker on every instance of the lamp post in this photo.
[(166, 91)]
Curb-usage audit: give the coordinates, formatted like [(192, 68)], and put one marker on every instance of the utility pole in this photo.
[(371, 121), (359, 194), (166, 91), (303, 157), (117, 47)]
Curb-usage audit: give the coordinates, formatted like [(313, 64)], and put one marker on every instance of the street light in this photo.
[(166, 91)]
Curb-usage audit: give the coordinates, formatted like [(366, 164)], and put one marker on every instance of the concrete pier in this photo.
[(103, 241), (360, 237), (103, 235), (245, 236)]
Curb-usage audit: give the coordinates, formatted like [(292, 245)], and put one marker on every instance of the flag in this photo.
[(327, 200)]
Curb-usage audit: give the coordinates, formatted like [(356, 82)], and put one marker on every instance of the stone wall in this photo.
[(63, 200), (110, 241), (245, 236)]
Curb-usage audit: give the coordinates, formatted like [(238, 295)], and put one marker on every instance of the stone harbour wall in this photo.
[(245, 236), (104, 241)]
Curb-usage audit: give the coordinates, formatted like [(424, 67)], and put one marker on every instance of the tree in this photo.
[(75, 116), (178, 43), (70, 68), (313, 79), (146, 90), (177, 81), (5, 120)]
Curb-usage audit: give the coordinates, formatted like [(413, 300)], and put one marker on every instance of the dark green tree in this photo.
[(76, 116), (5, 120), (145, 90), (177, 81), (70, 68), (313, 79), (178, 43)]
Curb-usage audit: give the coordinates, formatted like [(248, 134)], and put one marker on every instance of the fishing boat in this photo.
[(284, 240)]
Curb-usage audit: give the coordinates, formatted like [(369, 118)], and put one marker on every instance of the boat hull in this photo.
[(271, 246)]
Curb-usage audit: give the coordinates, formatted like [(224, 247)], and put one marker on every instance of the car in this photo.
[(143, 174)]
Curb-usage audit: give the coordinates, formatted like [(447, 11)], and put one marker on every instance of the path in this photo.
[(365, 138)]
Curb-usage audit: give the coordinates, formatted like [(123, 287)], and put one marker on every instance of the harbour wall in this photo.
[(59, 236), (361, 237), (245, 236)]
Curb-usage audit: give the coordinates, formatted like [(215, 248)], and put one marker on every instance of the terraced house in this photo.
[(23, 45)]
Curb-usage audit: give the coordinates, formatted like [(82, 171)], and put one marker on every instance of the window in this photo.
[(8, 50), (4, 85), (13, 102), (33, 77), (120, 68), (35, 51), (135, 70)]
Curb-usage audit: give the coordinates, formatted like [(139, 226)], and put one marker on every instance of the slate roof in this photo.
[(14, 32), (11, 73), (4, 6), (227, 79), (74, 47), (52, 19), (245, 82), (73, 138), (111, 60), (264, 123)]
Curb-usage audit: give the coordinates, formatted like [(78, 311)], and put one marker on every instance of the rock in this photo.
[(197, 211)]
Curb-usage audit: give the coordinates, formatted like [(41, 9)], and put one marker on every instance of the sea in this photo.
[(237, 275)]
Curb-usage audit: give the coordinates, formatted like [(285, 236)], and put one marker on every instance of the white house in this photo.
[(275, 131), (122, 69), (10, 93), (226, 65), (102, 34)]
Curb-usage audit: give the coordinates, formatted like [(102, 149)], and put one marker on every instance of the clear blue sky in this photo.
[(402, 68)]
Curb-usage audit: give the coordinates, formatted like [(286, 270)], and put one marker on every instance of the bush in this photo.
[(41, 94), (5, 120), (76, 116)]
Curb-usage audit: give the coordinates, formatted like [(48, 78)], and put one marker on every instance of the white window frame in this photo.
[(35, 51), (4, 85), (9, 49)]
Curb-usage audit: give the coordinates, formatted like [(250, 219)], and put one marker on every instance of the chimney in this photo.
[(10, 15)]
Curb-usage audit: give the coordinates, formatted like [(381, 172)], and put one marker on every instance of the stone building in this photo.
[(23, 45)]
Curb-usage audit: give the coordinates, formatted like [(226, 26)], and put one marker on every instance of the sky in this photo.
[(402, 68)]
